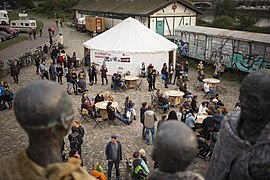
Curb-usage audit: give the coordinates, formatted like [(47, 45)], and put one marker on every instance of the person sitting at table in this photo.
[(190, 120), (108, 96), (158, 93), (212, 106), (185, 102), (87, 104), (203, 108), (184, 89), (112, 114), (163, 101), (99, 97), (193, 104), (219, 103)]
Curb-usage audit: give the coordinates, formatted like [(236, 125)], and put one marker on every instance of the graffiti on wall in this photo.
[(248, 62), (238, 60), (242, 55)]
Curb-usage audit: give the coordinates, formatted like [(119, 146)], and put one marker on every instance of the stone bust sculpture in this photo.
[(174, 150), (45, 112), (242, 149)]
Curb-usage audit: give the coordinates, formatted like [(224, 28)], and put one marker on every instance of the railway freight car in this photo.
[(245, 51)]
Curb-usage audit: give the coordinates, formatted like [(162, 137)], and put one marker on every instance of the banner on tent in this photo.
[(99, 57)]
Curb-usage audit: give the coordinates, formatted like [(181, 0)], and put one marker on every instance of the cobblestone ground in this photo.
[(13, 138)]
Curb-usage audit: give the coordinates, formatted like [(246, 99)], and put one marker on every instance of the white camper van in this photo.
[(4, 17), (23, 25)]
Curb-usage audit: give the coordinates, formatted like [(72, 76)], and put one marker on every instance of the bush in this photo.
[(225, 22)]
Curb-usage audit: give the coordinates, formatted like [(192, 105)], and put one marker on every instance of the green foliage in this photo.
[(28, 4), (225, 22), (225, 8), (13, 15), (247, 20), (200, 22), (58, 8)]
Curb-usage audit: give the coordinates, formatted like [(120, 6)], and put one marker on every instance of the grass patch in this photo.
[(8, 43), (13, 15)]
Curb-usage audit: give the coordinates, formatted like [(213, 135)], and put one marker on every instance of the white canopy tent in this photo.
[(127, 45)]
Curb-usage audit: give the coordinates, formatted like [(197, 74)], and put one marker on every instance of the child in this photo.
[(97, 172)]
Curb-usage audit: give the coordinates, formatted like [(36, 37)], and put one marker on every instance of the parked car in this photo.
[(2, 38), (8, 36), (9, 30)]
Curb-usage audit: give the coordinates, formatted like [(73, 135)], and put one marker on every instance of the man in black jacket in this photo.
[(75, 140), (114, 156)]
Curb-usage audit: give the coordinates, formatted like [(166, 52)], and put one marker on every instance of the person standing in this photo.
[(53, 72), (177, 73), (149, 123), (154, 79), (30, 34), (40, 32), (91, 78), (69, 82), (74, 60), (114, 156), (103, 71), (50, 31), (186, 68), (75, 140), (34, 34), (94, 73), (150, 80), (60, 72), (165, 74), (52, 28), (142, 111), (15, 71), (171, 70), (74, 81)]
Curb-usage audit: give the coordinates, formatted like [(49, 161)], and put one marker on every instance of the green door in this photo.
[(160, 28)]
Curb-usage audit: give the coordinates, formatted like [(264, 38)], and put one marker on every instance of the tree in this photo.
[(225, 22), (225, 8), (247, 20)]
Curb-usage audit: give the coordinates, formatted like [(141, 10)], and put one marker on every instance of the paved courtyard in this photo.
[(13, 138)]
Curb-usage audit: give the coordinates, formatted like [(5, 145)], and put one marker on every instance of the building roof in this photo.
[(129, 7), (225, 33), (130, 36)]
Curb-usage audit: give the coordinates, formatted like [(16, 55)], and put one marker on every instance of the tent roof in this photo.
[(130, 36)]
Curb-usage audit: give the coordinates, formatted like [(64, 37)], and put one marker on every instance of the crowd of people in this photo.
[(207, 131)]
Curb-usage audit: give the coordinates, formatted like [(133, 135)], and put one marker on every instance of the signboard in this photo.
[(99, 57)]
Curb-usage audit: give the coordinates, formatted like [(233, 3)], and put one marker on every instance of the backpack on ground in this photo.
[(74, 142)]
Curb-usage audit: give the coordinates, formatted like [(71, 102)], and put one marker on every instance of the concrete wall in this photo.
[(242, 55)]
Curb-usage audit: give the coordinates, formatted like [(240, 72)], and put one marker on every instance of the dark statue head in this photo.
[(175, 147), (43, 105), (255, 96)]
